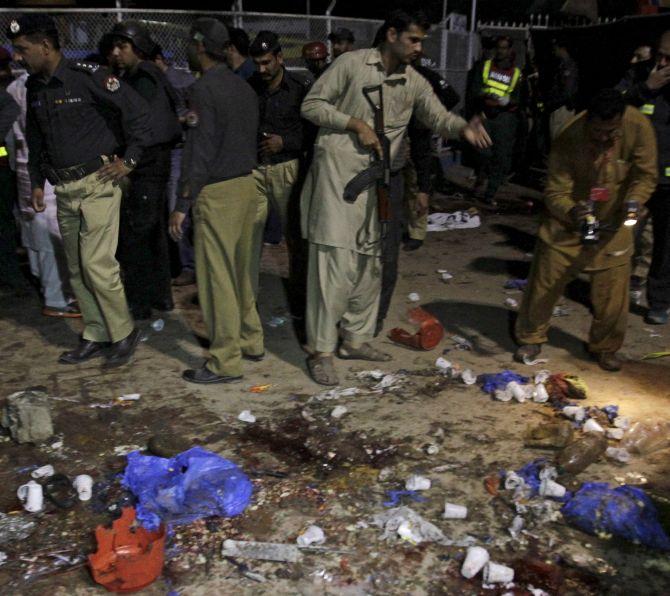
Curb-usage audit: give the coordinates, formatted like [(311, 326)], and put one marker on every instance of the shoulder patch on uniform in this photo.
[(89, 67), (192, 118), (112, 84)]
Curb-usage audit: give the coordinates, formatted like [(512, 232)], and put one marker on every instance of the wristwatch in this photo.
[(130, 163)]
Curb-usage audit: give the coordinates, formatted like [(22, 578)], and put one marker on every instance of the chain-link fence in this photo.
[(81, 30)]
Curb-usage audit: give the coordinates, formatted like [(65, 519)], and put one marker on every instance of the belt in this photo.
[(58, 176)]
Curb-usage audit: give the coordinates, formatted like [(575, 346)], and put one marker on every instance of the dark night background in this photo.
[(486, 9)]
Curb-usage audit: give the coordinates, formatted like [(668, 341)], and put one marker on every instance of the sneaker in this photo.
[(656, 316)]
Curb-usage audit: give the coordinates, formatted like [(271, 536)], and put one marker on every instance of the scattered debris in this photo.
[(475, 560), (312, 535), (416, 482), (453, 511), (428, 331), (516, 284), (511, 303), (194, 484), (43, 472), (263, 551), (409, 525), (246, 416), (158, 325), (413, 297), (275, 322), (129, 557), (14, 528), (338, 411), (259, 388), (458, 220), (27, 416)]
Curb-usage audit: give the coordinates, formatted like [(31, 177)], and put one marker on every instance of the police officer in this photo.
[(79, 119), (496, 94), (280, 138), (143, 250), (647, 87), (315, 55), (343, 41), (219, 156)]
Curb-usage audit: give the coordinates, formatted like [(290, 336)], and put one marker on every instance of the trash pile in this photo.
[(192, 500)]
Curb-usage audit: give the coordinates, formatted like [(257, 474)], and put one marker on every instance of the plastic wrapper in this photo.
[(194, 484)]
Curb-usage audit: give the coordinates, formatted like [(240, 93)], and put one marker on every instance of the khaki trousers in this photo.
[(88, 217), (343, 287), (274, 183), (416, 226), (550, 272), (224, 216)]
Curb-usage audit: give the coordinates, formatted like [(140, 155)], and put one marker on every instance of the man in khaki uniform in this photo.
[(344, 238), (79, 118), (219, 156), (280, 142), (607, 153)]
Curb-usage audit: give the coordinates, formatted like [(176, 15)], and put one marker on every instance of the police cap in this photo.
[(31, 23), (314, 50), (137, 34), (341, 34), (265, 42), (212, 33)]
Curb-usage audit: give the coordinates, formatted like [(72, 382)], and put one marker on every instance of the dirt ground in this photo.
[(308, 468)]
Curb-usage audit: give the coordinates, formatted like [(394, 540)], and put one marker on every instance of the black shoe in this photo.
[(253, 357), (121, 351), (657, 316), (204, 376), (84, 351), (412, 244), (609, 361), (166, 305)]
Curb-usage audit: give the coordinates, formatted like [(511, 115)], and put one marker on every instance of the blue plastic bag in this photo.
[(624, 511), (491, 382), (196, 483)]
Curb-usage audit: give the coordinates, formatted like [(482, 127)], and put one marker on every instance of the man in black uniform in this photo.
[(79, 118), (647, 86), (143, 249), (280, 140), (219, 157)]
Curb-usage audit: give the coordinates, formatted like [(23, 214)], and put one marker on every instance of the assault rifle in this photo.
[(379, 172)]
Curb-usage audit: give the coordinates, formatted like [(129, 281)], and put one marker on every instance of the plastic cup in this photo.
[(540, 394), (83, 484), (32, 496), (495, 573), (474, 562), (43, 472), (577, 413), (591, 426), (453, 511), (550, 488)]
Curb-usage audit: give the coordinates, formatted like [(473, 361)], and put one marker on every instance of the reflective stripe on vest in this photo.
[(3, 152), (493, 87), (647, 109)]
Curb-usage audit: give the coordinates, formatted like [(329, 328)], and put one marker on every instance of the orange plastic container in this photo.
[(129, 557), (428, 335)]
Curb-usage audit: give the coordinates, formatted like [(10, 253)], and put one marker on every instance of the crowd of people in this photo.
[(109, 158)]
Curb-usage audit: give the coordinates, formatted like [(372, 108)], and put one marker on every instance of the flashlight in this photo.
[(590, 225), (632, 213)]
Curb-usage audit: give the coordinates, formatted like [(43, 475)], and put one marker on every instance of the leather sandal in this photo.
[(363, 352), (322, 370)]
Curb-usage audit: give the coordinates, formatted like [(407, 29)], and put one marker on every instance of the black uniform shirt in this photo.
[(221, 134), (656, 105), (149, 81), (280, 114), (9, 112), (80, 113)]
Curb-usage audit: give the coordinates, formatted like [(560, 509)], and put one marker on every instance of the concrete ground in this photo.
[(308, 468)]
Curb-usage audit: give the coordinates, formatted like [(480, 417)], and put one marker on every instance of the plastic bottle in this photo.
[(579, 455), (647, 437)]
